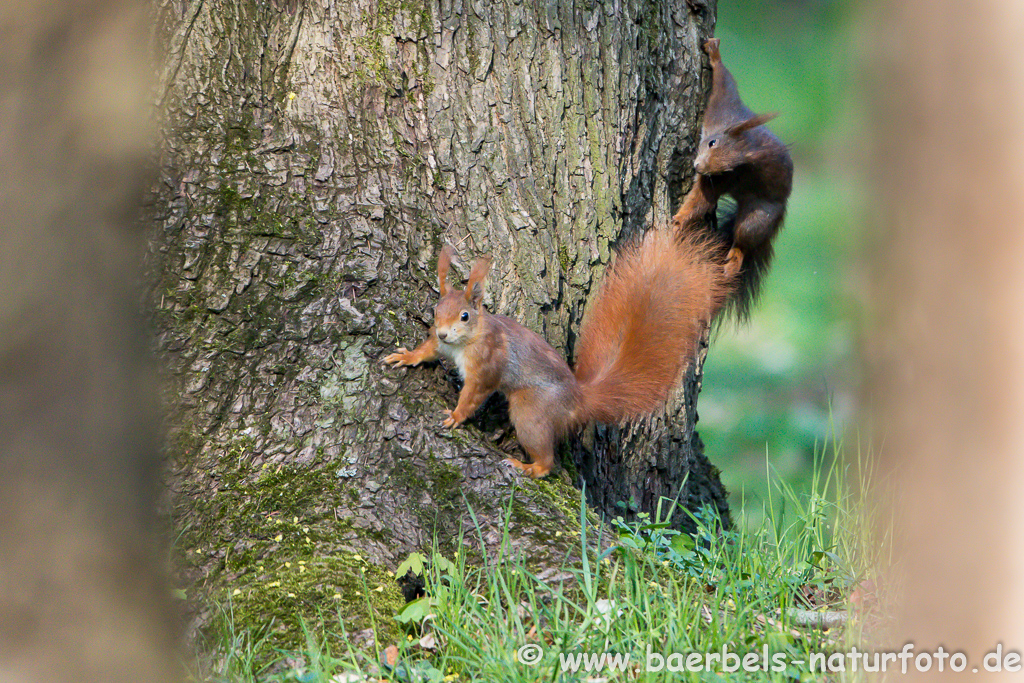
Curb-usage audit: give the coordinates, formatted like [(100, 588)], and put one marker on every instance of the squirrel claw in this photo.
[(397, 359), (450, 420)]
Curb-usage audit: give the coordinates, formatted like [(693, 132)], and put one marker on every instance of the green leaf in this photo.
[(413, 563), (629, 543), (414, 612), (683, 543), (444, 565), (835, 558), (425, 671)]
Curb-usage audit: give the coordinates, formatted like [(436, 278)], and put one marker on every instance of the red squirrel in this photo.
[(740, 157), (642, 331)]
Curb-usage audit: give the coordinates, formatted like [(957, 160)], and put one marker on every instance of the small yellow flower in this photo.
[(273, 584), (278, 538), (291, 595), (336, 596), (291, 96), (288, 564), (379, 589), (237, 591)]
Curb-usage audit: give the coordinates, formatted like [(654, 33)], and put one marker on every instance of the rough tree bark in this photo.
[(317, 155)]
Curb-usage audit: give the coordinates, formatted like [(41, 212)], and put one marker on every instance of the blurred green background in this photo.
[(776, 390)]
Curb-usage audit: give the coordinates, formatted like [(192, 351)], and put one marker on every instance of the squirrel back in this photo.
[(740, 157), (646, 323)]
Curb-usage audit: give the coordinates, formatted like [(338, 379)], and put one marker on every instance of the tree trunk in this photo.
[(82, 597), (317, 156)]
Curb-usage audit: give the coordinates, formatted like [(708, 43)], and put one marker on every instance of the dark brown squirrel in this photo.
[(644, 328), (740, 157)]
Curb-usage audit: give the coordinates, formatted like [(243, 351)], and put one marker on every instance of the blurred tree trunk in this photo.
[(82, 597), (945, 255), (317, 155)]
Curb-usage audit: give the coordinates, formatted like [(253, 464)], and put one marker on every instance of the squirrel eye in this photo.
[(465, 316), (712, 142)]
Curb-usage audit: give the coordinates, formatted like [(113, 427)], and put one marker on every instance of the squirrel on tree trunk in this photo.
[(740, 157), (642, 331)]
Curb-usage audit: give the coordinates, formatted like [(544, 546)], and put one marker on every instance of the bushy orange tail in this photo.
[(643, 330)]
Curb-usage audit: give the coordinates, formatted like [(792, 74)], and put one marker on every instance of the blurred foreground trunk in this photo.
[(80, 597), (949, 348)]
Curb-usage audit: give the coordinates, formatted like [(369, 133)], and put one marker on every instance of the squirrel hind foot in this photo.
[(534, 470)]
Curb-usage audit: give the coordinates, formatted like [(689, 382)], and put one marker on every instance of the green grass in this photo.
[(648, 587)]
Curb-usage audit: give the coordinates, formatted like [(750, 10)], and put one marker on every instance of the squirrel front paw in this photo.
[(450, 421), (399, 358)]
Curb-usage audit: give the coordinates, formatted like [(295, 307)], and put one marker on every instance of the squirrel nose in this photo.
[(441, 335)]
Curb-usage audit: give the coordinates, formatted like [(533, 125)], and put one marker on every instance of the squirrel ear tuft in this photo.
[(444, 262), (752, 122), (475, 285)]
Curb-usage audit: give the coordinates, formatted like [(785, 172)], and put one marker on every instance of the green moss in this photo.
[(278, 558), (446, 480), (563, 260), (241, 134), (278, 593), (374, 64), (227, 200), (474, 58)]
